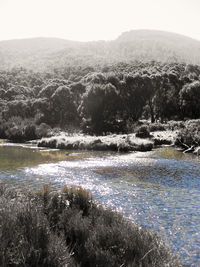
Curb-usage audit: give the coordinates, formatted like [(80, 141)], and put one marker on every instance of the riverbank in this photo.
[(188, 138), (120, 143), (184, 135), (164, 137), (69, 228)]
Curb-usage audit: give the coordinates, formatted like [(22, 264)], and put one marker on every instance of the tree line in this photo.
[(97, 100)]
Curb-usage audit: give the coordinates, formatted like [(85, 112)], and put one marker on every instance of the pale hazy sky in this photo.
[(86, 20)]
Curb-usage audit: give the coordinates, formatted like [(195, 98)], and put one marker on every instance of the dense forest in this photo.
[(97, 87), (98, 100)]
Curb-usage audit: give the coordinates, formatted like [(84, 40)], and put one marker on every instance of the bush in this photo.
[(153, 127), (39, 229), (175, 125), (19, 130), (142, 132), (190, 135), (42, 130), (26, 239)]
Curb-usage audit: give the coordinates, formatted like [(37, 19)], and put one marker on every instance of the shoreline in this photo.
[(113, 142), (118, 143)]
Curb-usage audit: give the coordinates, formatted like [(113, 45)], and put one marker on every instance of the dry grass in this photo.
[(164, 137), (121, 143)]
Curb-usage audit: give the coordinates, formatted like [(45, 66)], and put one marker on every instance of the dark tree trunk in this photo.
[(151, 112)]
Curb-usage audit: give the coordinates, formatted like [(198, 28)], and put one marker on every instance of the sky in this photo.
[(89, 20)]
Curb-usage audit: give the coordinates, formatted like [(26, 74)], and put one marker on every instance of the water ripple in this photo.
[(158, 189)]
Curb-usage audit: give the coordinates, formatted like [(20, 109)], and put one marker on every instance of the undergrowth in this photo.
[(190, 135), (69, 229)]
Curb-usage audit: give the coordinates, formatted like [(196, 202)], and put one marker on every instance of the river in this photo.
[(158, 189)]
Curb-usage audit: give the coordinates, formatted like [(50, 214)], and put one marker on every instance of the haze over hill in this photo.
[(141, 45)]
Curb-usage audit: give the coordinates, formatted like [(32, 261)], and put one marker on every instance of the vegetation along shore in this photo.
[(102, 100), (69, 228)]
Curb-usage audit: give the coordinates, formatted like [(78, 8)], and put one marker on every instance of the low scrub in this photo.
[(143, 132), (175, 125), (19, 130), (153, 127), (120, 143), (190, 135), (26, 237), (70, 229)]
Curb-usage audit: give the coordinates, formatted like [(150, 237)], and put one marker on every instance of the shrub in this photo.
[(153, 127), (142, 132), (190, 135), (175, 125), (26, 239), (78, 198), (42, 130), (20, 130), (39, 229), (133, 126)]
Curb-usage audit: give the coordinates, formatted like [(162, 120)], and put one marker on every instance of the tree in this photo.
[(99, 108), (77, 89), (166, 96), (48, 90), (133, 96), (17, 92), (63, 106), (20, 108), (42, 109), (149, 95), (190, 100)]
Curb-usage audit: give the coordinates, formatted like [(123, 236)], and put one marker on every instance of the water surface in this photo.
[(159, 189)]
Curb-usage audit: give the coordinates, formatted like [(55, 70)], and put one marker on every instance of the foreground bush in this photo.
[(41, 229), (26, 238)]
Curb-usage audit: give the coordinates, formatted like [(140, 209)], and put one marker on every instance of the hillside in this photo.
[(144, 45), (159, 45)]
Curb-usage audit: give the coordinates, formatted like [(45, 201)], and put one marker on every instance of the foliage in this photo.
[(190, 100), (39, 229), (190, 134), (26, 239), (143, 132), (20, 130), (99, 99), (153, 127), (175, 125), (63, 107), (99, 108)]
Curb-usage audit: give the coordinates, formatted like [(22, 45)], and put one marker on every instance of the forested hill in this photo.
[(141, 45), (159, 46)]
